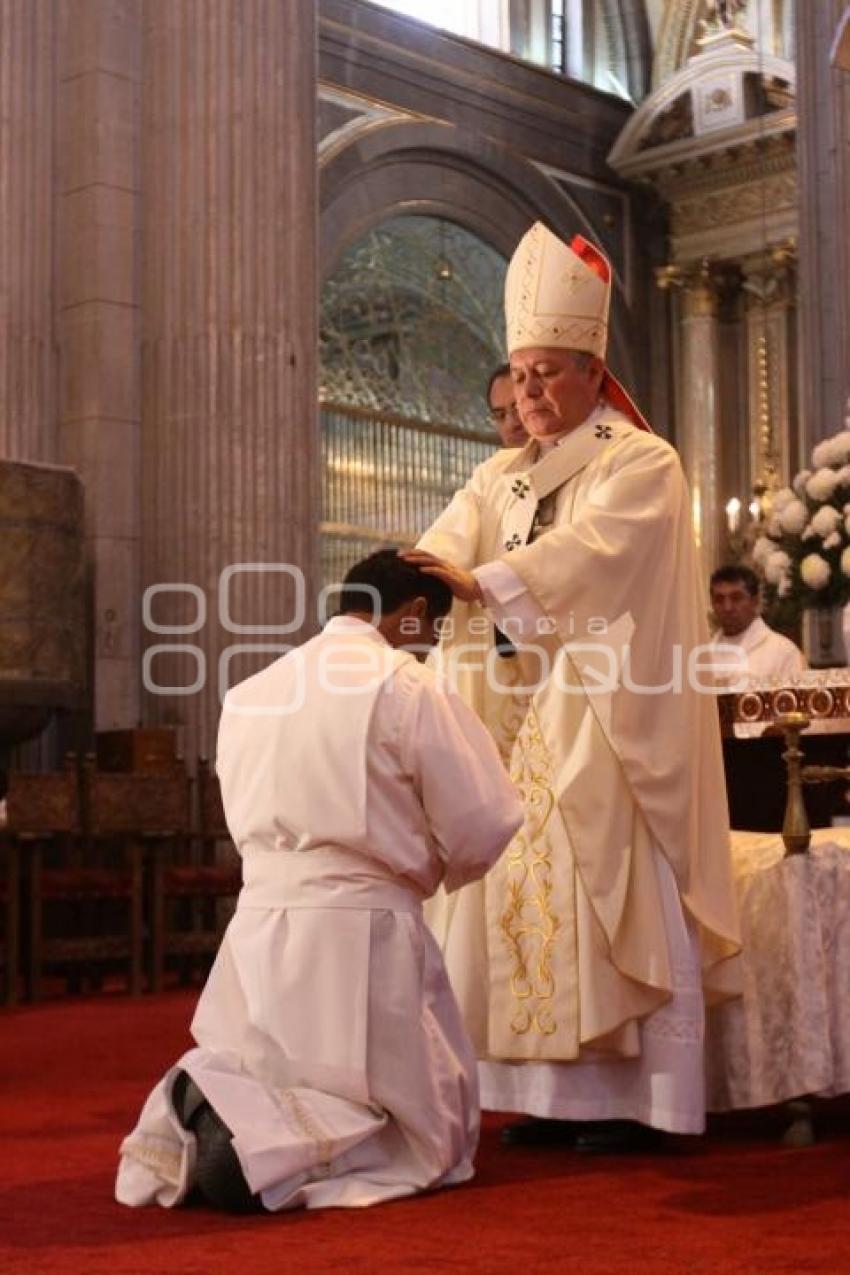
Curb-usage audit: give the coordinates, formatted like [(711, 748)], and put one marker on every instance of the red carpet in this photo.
[(73, 1075)]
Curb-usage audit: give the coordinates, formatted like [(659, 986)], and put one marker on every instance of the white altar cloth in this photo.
[(789, 1034)]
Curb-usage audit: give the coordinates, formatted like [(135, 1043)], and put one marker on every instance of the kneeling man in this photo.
[(331, 1065)]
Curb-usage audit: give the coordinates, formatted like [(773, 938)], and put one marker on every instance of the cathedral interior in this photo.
[(252, 268), (252, 257)]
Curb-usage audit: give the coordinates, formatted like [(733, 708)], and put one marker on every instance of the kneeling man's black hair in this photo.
[(395, 582)]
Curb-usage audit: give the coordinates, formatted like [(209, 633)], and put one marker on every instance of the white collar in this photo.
[(352, 624), (750, 637), (544, 447)]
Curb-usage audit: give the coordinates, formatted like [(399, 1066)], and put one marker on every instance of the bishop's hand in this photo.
[(463, 584)]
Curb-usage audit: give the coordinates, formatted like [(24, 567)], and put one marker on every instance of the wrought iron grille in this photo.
[(411, 326), (386, 479)]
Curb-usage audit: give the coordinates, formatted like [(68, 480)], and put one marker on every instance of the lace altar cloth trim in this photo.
[(790, 1032)]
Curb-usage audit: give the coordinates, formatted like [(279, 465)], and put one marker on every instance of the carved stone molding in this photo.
[(704, 285), (733, 204), (675, 38), (770, 278), (742, 160)]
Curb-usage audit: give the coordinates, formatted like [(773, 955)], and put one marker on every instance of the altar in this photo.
[(789, 1034), (753, 746)]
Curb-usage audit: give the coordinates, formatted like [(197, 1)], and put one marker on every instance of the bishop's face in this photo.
[(555, 391)]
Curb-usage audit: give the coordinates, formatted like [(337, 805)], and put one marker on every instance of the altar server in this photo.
[(331, 1066)]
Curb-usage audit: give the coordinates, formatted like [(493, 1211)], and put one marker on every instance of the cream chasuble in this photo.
[(564, 949)]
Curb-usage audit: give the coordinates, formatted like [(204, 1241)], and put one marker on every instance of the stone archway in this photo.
[(411, 167)]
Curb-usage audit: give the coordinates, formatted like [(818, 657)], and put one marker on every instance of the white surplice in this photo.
[(579, 962), (328, 1039), (768, 654)]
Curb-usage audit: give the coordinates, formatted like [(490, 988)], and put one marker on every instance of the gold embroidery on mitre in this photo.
[(528, 924)]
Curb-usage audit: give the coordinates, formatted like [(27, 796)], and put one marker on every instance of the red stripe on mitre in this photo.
[(591, 256)]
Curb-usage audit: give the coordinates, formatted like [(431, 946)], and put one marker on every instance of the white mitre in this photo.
[(552, 298), (557, 296)]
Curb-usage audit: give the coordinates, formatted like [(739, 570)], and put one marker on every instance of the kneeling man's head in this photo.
[(403, 603)]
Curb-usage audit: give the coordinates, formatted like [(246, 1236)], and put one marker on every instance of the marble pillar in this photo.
[(230, 457), (27, 359), (823, 152), (97, 322), (699, 423)]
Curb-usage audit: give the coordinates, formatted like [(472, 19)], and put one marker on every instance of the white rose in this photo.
[(762, 549), (776, 567), (826, 520), (815, 571), (844, 476), (792, 517), (782, 498), (799, 483), (841, 446), (832, 541), (845, 561), (822, 454), (822, 484)]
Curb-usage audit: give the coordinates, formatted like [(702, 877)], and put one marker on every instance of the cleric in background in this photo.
[(502, 407), (736, 603)]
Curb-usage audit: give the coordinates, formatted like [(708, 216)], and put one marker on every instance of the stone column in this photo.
[(699, 424), (823, 153), (97, 309), (27, 361), (230, 457)]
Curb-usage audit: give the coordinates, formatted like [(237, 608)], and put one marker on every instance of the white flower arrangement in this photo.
[(803, 551), (815, 571)]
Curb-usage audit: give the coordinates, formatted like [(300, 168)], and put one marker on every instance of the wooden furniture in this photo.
[(10, 909), (190, 890), (98, 879), (754, 749), (43, 826), (147, 750)]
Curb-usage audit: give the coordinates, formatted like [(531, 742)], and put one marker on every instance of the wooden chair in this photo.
[(10, 908), (123, 816), (43, 827), (189, 891)]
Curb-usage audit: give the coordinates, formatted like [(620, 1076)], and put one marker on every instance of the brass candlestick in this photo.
[(796, 833)]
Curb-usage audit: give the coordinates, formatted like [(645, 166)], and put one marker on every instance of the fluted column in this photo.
[(97, 318), (823, 152), (229, 332), (699, 424), (27, 364), (770, 288)]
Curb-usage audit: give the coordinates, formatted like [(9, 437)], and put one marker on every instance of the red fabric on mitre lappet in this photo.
[(611, 388)]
